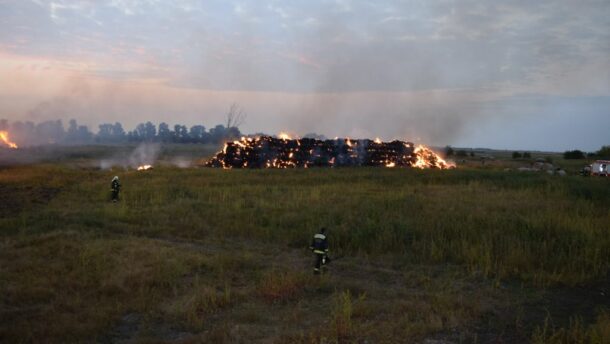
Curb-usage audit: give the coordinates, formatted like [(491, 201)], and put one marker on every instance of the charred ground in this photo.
[(475, 254)]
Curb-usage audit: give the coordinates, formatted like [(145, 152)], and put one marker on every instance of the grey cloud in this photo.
[(326, 51)]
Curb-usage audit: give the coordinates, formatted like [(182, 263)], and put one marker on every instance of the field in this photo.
[(472, 255)]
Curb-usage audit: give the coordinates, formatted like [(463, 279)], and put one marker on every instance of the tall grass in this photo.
[(171, 247), (576, 332), (538, 228)]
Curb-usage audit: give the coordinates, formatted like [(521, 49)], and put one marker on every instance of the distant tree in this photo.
[(197, 134), (72, 126), (150, 132), (118, 133), (73, 135), (181, 134), (84, 135), (527, 155), (235, 116), (164, 134), (110, 133), (604, 152), (217, 134), (461, 153), (574, 154), (104, 133), (517, 155), (232, 132), (18, 131), (24, 132), (472, 153), (140, 130), (48, 132), (449, 151)]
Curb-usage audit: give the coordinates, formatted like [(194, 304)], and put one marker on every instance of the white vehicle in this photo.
[(600, 168)]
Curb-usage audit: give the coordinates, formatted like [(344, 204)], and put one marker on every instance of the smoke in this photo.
[(181, 162), (144, 154)]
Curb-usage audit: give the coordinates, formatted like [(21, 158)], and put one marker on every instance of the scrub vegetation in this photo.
[(476, 254)]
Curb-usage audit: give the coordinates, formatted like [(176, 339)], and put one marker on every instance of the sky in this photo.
[(511, 74)]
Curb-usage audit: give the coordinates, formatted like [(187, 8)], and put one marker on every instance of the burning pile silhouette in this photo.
[(270, 152)]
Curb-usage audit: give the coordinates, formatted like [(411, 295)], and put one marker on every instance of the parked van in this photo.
[(600, 168)]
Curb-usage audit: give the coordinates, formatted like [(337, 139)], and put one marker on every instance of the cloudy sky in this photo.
[(502, 74)]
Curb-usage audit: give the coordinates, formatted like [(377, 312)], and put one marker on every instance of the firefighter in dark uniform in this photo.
[(115, 187), (319, 246)]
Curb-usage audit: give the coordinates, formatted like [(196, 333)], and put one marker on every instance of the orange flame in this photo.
[(144, 167), (426, 158), (5, 139), (243, 153)]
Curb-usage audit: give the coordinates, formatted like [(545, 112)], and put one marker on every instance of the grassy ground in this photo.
[(189, 255)]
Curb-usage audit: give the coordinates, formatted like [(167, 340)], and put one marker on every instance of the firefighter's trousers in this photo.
[(320, 263)]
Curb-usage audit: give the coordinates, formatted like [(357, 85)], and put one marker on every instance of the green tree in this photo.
[(517, 155), (575, 154), (604, 152), (164, 133)]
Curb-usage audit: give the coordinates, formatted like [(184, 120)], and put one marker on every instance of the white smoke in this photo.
[(182, 162), (144, 154)]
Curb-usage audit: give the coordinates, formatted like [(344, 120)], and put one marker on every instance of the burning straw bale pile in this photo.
[(270, 152)]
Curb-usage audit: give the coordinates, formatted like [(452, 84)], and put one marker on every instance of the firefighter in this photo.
[(319, 246), (115, 187)]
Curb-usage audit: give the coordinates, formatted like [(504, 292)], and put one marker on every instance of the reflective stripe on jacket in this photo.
[(319, 245)]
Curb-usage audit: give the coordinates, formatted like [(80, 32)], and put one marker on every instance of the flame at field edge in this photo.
[(144, 167), (4, 138)]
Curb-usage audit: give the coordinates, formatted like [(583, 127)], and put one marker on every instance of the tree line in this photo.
[(602, 153), (54, 132)]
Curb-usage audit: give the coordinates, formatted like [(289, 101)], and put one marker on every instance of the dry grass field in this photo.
[(472, 255)]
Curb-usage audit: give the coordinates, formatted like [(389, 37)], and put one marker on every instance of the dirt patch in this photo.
[(515, 324), (14, 199), (133, 328)]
